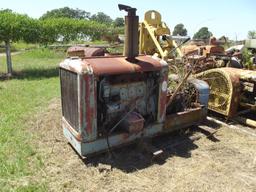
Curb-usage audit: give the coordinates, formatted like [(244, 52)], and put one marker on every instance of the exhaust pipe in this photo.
[(131, 43)]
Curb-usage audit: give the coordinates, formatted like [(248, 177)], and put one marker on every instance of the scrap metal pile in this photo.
[(232, 89), (203, 57)]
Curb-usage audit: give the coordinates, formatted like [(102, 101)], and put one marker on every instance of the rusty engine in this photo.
[(108, 101)]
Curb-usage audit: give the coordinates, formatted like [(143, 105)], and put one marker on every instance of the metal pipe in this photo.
[(230, 126), (245, 121), (131, 43)]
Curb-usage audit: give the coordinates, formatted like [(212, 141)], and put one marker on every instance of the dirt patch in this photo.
[(227, 163)]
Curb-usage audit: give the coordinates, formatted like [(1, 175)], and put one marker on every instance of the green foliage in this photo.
[(119, 22), (14, 27), (73, 29), (101, 17), (6, 10), (67, 13), (247, 62), (203, 33), (64, 24), (251, 35), (179, 29)]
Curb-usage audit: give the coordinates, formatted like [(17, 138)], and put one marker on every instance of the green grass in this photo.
[(36, 82), (19, 46)]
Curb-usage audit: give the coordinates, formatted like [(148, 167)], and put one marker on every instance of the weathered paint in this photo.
[(173, 122), (120, 65), (184, 119), (231, 76), (89, 109), (100, 145), (76, 135), (111, 65), (87, 142), (72, 140), (162, 94), (203, 91)]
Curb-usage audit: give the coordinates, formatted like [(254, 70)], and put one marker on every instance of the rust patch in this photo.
[(175, 121), (119, 65)]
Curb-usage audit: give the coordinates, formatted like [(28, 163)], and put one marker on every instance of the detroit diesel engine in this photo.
[(108, 101)]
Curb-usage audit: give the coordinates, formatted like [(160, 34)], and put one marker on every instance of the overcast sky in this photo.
[(233, 18)]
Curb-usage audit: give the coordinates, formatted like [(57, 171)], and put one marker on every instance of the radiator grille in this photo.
[(69, 97), (220, 91)]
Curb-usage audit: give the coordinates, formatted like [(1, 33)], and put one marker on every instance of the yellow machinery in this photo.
[(231, 90), (155, 37)]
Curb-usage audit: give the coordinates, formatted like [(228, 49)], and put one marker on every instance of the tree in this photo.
[(203, 33), (67, 13), (72, 29), (101, 17), (119, 22), (179, 29), (251, 35), (14, 27), (6, 10)]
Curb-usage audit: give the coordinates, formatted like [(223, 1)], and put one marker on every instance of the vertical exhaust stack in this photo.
[(131, 43)]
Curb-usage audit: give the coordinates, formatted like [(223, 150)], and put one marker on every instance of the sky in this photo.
[(232, 18)]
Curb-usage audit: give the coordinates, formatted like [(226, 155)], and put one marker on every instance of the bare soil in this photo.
[(226, 162)]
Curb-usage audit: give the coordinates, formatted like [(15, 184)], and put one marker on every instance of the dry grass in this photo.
[(228, 164)]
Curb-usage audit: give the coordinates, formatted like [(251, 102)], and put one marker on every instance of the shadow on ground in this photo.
[(133, 157), (31, 74)]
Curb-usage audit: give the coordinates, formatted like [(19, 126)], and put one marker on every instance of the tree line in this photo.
[(65, 24), (202, 33)]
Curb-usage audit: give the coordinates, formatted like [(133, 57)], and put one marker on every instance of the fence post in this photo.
[(8, 57)]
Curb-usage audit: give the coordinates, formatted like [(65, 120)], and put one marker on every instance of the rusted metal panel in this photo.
[(162, 95), (224, 90), (111, 65), (211, 49), (172, 123), (133, 123), (183, 119), (77, 135), (88, 107), (119, 65)]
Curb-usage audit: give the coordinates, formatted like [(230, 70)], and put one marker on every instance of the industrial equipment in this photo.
[(108, 101), (155, 37), (231, 90)]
